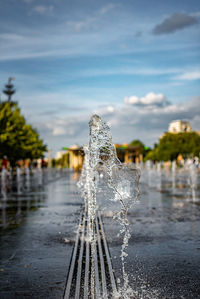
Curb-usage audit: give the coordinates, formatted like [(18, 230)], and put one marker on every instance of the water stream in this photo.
[(104, 178)]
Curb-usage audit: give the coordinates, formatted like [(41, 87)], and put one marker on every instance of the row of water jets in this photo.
[(163, 177), (22, 179)]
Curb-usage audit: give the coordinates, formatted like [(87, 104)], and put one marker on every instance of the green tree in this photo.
[(171, 145), (137, 142), (144, 149), (18, 140)]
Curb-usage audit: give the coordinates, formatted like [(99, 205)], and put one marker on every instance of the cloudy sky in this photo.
[(134, 62)]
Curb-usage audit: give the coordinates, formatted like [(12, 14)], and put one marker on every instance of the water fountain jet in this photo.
[(122, 182)]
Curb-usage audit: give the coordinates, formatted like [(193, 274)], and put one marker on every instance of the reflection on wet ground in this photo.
[(37, 237), (164, 249), (38, 229)]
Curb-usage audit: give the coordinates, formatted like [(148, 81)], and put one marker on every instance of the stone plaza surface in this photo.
[(36, 246), (38, 229)]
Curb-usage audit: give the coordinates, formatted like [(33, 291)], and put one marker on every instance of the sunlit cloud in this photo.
[(57, 131), (151, 99), (193, 75), (127, 122), (105, 110)]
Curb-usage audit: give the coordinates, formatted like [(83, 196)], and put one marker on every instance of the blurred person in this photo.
[(43, 163), (5, 163), (196, 161)]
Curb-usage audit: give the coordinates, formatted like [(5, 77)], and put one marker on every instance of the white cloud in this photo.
[(127, 122), (107, 8), (69, 34), (130, 71), (196, 122), (78, 26), (70, 127), (151, 99), (91, 21), (42, 9), (131, 100), (57, 131), (105, 110), (193, 75)]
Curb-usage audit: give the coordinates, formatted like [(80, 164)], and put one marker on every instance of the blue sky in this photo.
[(136, 63)]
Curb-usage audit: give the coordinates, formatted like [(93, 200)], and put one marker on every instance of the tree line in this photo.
[(171, 145), (18, 139)]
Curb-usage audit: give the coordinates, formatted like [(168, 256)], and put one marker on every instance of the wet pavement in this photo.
[(36, 242), (38, 229), (164, 249)]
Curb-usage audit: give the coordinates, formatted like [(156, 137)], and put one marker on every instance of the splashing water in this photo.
[(120, 182), (173, 175), (192, 178)]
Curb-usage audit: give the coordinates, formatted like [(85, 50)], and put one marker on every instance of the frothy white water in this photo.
[(192, 178), (4, 178), (120, 185), (19, 181), (174, 175)]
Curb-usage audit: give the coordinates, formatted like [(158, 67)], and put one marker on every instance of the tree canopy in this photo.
[(18, 140), (137, 142), (144, 149), (171, 145)]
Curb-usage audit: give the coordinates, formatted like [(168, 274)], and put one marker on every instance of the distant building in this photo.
[(129, 154), (76, 156), (179, 126), (125, 153), (59, 154)]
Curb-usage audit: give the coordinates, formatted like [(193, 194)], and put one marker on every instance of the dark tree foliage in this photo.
[(144, 149), (18, 140), (137, 142), (171, 145)]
